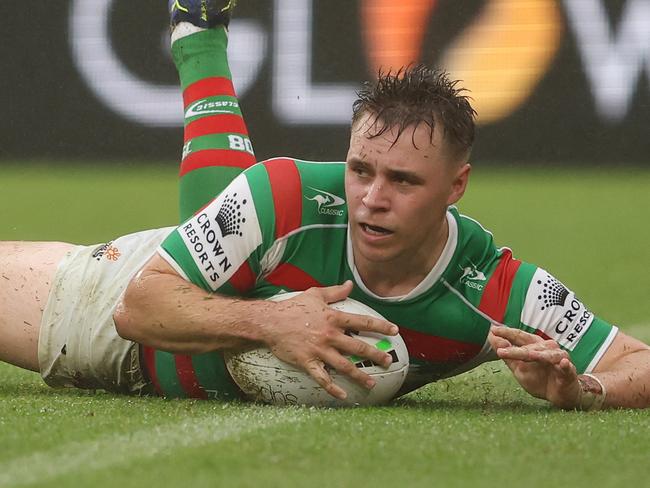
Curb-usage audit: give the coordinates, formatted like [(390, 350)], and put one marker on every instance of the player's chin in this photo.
[(377, 252)]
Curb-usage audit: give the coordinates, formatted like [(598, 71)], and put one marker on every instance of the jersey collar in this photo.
[(429, 280)]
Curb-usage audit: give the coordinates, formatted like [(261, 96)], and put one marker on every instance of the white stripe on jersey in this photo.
[(469, 304), (602, 350)]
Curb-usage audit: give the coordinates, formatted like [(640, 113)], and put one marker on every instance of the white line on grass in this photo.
[(112, 450)]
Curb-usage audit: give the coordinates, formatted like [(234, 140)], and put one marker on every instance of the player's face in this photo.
[(398, 195)]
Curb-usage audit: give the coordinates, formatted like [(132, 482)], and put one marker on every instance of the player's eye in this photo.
[(405, 179), (402, 180), (359, 170)]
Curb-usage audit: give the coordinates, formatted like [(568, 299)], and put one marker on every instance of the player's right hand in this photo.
[(540, 366), (307, 333)]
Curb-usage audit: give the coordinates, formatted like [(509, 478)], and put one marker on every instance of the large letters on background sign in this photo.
[(614, 55), (613, 58), (137, 99)]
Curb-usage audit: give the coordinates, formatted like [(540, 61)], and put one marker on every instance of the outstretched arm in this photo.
[(620, 379), (162, 310)]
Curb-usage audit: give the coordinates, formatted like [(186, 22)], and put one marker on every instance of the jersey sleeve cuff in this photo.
[(603, 348), (170, 260)]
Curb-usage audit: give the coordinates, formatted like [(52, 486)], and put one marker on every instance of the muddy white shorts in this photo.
[(78, 343)]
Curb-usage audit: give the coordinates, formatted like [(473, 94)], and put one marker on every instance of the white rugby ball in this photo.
[(263, 377)]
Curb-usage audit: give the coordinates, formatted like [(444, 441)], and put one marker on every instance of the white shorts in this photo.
[(78, 343)]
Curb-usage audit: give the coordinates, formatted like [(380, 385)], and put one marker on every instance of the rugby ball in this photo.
[(264, 378)]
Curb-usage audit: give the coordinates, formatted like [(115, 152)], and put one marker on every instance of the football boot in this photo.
[(201, 13)]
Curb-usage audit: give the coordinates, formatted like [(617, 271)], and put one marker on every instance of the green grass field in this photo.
[(588, 227)]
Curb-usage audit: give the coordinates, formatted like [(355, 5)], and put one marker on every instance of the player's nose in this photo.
[(376, 196)]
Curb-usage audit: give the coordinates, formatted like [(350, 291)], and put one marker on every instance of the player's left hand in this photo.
[(540, 366)]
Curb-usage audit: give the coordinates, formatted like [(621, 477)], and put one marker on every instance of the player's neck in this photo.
[(399, 276)]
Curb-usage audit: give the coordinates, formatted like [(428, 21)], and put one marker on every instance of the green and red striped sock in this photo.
[(216, 145), (216, 149)]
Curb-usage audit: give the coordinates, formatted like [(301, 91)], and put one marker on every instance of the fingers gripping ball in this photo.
[(263, 377)]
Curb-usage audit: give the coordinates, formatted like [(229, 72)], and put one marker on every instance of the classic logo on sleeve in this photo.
[(223, 235), (553, 309), (473, 278), (327, 202)]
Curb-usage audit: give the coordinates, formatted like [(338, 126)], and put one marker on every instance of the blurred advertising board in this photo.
[(552, 80)]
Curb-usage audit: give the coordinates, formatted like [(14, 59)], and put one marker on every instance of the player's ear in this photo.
[(459, 182)]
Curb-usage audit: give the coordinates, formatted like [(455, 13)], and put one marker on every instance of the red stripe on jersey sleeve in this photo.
[(208, 87), (287, 195), (216, 157), (436, 349), (187, 377), (215, 124), (494, 300), (150, 364), (243, 279), (289, 276)]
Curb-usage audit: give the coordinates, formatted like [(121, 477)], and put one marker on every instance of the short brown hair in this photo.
[(416, 95)]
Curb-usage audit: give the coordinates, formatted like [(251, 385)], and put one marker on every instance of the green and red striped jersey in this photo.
[(282, 226)]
